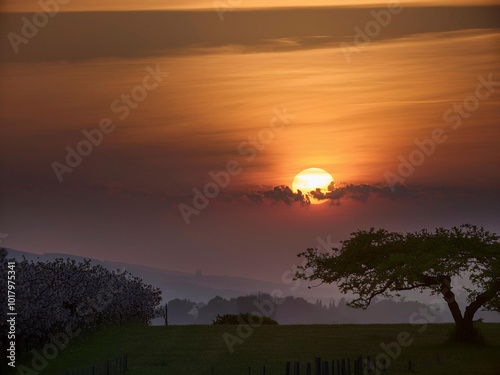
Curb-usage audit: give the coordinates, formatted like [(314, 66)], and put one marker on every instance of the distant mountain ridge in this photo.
[(200, 288), (195, 286)]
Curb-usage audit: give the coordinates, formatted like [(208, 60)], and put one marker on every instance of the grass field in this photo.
[(196, 349)]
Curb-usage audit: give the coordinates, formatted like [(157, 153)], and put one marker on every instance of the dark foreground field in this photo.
[(196, 349)]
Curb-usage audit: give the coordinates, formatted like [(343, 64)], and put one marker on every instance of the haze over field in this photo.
[(209, 295)]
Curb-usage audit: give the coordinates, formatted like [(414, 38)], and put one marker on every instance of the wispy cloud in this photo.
[(281, 194)]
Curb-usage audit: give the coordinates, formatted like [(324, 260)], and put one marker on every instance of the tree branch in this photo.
[(386, 286), (449, 297), (477, 303)]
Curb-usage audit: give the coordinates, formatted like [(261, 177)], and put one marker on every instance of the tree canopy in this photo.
[(381, 263)]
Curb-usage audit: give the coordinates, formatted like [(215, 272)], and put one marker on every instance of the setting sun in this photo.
[(312, 179)]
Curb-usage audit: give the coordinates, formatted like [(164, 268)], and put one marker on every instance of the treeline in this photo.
[(292, 310)]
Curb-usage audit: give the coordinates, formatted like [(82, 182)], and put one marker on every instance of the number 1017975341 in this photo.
[(11, 287)]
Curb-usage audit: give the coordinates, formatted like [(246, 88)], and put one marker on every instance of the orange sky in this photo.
[(88, 5), (352, 119)]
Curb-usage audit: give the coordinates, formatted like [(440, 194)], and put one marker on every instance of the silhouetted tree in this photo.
[(52, 294), (381, 263), (236, 319), (292, 310)]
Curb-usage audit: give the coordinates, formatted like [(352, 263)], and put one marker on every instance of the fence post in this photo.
[(348, 366), (333, 367), (107, 368), (326, 370), (317, 366), (359, 365), (409, 365), (264, 370), (296, 368), (213, 370), (308, 368), (287, 370), (166, 314), (343, 366)]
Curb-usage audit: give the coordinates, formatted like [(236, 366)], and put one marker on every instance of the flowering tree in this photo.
[(50, 295)]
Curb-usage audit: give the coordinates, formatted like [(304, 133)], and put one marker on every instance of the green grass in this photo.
[(196, 349)]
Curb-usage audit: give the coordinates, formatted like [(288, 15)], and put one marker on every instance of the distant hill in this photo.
[(195, 286), (202, 288)]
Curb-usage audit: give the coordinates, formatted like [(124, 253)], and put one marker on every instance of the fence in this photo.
[(113, 366), (359, 366)]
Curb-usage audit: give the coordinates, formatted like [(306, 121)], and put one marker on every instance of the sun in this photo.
[(312, 179)]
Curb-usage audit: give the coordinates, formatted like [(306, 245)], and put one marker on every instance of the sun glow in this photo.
[(312, 179)]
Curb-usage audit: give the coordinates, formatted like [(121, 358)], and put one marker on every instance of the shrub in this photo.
[(235, 319)]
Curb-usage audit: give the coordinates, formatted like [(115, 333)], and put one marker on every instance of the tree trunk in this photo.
[(464, 327), (469, 334), (464, 330)]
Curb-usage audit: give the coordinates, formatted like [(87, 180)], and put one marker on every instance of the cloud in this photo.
[(150, 33), (363, 192), (266, 194), (280, 193), (283, 194)]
